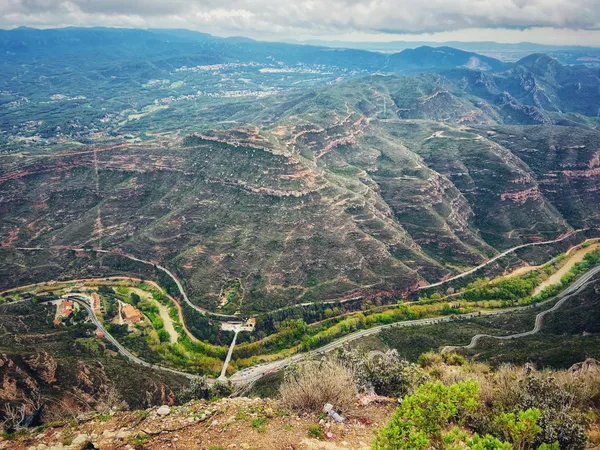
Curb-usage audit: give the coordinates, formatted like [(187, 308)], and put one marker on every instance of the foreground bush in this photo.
[(567, 400), (510, 389), (560, 420), (421, 421), (435, 417), (383, 373), (308, 386)]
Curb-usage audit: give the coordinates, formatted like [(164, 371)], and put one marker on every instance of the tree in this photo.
[(106, 290), (135, 298)]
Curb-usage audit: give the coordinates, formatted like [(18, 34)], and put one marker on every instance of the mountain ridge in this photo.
[(308, 182)]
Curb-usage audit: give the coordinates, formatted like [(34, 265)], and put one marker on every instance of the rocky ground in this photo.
[(237, 423)]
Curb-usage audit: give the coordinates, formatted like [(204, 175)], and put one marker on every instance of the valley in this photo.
[(365, 195), (186, 217), (177, 338)]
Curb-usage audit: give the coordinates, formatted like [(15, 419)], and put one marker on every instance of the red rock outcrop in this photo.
[(44, 366), (521, 197)]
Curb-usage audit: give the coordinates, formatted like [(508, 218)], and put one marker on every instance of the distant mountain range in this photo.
[(481, 46), (402, 57), (537, 79)]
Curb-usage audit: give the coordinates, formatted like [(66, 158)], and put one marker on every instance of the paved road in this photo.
[(501, 255), (150, 263), (81, 300), (256, 372), (574, 289)]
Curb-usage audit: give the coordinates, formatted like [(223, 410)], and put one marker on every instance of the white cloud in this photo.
[(293, 18)]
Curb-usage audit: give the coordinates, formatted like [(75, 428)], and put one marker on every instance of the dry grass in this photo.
[(594, 437), (314, 383), (430, 359), (584, 386), (503, 385)]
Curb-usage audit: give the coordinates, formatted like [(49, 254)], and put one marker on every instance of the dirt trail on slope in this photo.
[(526, 269), (573, 259)]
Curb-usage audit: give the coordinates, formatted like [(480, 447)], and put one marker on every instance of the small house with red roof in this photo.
[(66, 308), (131, 313)]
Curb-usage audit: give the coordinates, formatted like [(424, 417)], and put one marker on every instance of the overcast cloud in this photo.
[(579, 20)]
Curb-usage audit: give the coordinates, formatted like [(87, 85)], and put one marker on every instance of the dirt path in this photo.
[(163, 311), (576, 257), (164, 315), (93, 281), (526, 269)]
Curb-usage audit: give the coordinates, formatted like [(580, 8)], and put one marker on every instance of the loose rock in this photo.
[(164, 410)]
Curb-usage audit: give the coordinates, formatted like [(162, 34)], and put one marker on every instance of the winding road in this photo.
[(231, 316), (574, 289), (81, 300), (501, 255), (254, 373)]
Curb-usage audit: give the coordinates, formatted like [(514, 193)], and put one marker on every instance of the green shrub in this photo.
[(315, 432), (420, 421), (164, 335), (520, 428), (454, 359), (456, 439), (429, 359), (259, 423), (139, 439), (436, 417)]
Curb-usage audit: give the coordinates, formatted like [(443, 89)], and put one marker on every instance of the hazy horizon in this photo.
[(554, 22), (407, 41)]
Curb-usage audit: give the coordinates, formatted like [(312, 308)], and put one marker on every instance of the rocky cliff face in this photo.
[(42, 369)]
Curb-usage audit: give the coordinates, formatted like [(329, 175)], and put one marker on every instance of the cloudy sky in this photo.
[(543, 21)]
